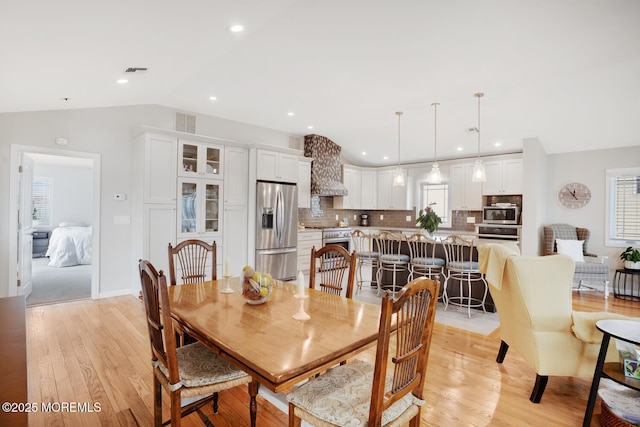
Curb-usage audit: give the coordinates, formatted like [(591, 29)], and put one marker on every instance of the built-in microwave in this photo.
[(500, 214)]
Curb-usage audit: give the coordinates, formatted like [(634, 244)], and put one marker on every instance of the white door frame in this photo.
[(16, 150)]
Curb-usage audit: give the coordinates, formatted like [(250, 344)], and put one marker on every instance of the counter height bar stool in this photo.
[(366, 255), (423, 260), (462, 267), (391, 259)]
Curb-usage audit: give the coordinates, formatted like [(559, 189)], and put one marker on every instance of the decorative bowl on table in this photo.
[(256, 287)]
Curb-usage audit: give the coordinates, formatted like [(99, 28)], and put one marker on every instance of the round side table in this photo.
[(626, 284)]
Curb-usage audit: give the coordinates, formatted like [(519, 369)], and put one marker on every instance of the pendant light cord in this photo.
[(398, 113), (478, 95), (435, 131)]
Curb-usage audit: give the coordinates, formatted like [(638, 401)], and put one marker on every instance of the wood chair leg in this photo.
[(157, 402), (293, 420), (504, 347), (176, 410), (538, 388), (215, 402), (254, 386)]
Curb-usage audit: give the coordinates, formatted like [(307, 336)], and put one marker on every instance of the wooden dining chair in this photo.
[(192, 261), (191, 256), (332, 262), (184, 372), (359, 393)]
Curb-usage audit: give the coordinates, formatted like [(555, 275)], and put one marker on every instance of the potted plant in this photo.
[(428, 220), (631, 258)]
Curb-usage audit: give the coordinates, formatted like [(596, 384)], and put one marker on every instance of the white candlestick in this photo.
[(300, 283), (227, 268)]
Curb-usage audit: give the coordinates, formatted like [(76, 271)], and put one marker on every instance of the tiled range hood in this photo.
[(326, 175)]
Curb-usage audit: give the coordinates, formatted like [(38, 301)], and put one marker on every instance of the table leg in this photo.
[(254, 386), (596, 380)]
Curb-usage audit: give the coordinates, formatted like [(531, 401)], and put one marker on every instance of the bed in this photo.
[(69, 245)]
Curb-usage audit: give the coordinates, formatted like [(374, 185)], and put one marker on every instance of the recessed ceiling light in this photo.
[(290, 113), (386, 157), (364, 153), (459, 148), (236, 28), (498, 144), (122, 81), (309, 127), (212, 98)]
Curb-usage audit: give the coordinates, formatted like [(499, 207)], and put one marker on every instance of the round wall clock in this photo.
[(574, 195)]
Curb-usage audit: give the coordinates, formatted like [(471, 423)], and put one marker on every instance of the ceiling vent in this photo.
[(185, 123), (135, 69)]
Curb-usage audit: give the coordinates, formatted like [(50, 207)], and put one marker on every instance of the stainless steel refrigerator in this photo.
[(277, 229)]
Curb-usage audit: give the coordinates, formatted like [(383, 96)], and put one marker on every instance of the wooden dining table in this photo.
[(265, 340)]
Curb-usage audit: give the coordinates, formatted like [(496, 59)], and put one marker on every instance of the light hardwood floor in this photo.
[(97, 351)]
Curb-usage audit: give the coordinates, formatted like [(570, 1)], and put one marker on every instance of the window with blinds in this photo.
[(436, 196), (624, 206), (41, 196)]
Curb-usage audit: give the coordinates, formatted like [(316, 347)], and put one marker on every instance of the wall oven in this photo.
[(501, 214)]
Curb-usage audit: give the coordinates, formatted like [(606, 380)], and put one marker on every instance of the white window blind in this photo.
[(624, 206), (436, 196), (41, 197)]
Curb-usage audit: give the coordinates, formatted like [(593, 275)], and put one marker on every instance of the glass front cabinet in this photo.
[(199, 208), (200, 159)]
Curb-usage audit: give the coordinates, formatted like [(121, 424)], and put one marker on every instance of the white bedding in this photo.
[(69, 246)]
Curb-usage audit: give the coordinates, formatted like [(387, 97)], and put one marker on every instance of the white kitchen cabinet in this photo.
[(369, 189), (307, 240), (503, 177), (276, 166), (199, 208), (390, 196), (200, 159), (235, 239), (159, 229), (465, 195), (236, 176), (158, 154), (304, 183), (352, 180)]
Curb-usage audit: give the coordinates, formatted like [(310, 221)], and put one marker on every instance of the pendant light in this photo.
[(479, 174), (434, 176), (398, 174)]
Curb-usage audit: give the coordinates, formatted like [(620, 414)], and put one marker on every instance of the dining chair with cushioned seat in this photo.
[(422, 257), (462, 268), (333, 265), (366, 255), (184, 372), (574, 242), (359, 393), (533, 298), (391, 259), (193, 257)]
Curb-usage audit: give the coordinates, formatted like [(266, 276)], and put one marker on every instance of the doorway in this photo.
[(21, 266)]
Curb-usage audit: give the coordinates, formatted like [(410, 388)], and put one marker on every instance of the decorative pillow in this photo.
[(573, 248), (71, 224)]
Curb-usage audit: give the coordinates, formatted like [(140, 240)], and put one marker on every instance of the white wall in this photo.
[(108, 132), (587, 167), (72, 192)]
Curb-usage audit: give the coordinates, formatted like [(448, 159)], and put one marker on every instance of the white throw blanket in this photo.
[(69, 246)]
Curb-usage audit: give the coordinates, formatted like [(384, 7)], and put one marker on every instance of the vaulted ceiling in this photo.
[(563, 71)]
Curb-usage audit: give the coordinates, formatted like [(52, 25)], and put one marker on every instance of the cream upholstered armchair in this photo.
[(588, 267), (534, 302)]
